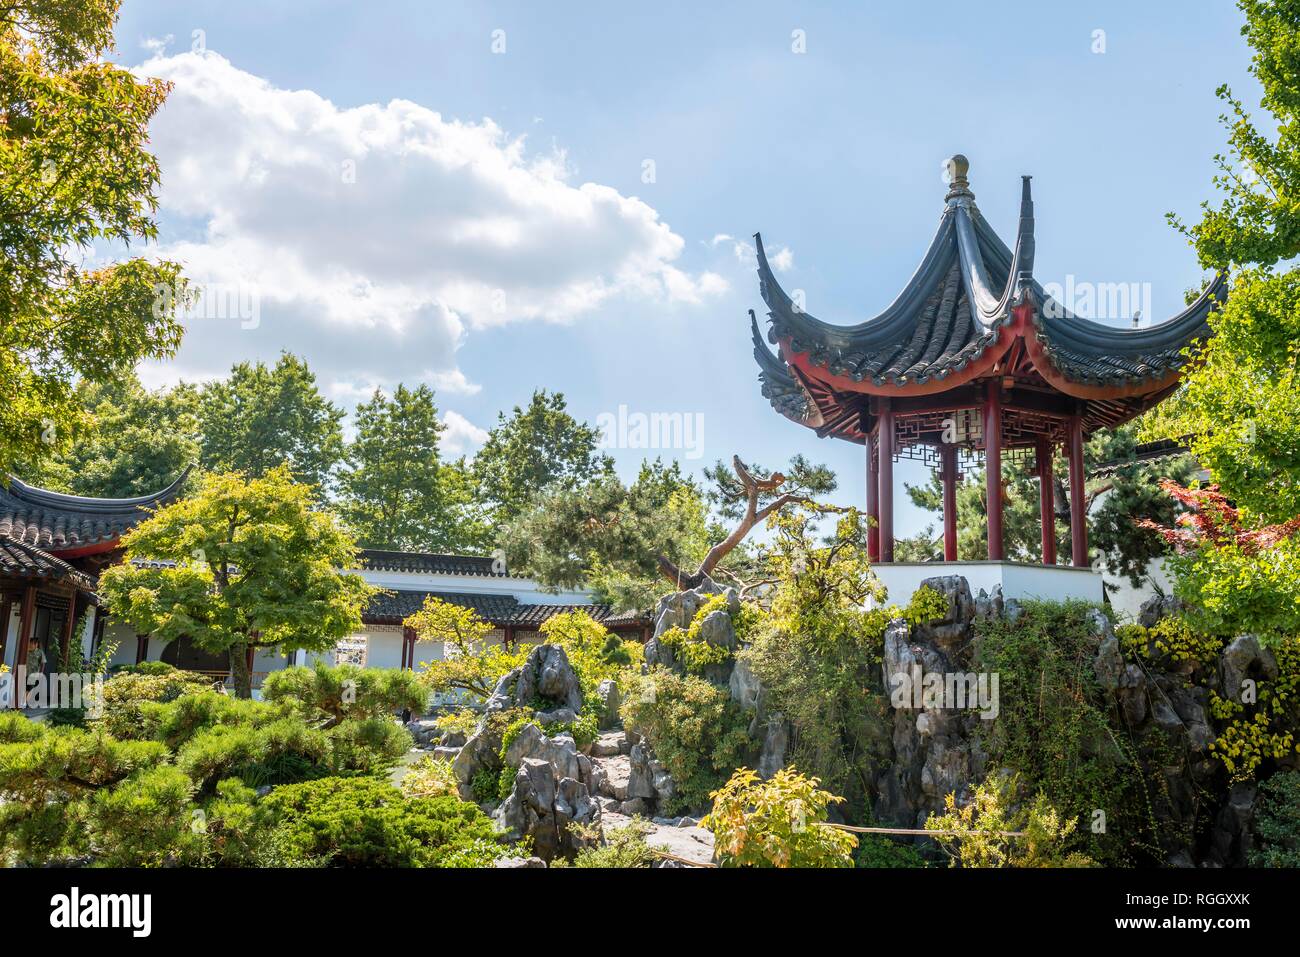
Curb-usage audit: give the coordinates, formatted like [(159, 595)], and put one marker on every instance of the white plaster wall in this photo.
[(1127, 600), (523, 589), (1053, 583)]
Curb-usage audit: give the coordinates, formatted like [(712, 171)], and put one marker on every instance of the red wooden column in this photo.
[(1078, 520), (873, 500), (65, 639), (6, 610), (885, 471), (1046, 504), (141, 648), (948, 470), (408, 647), (25, 613), (993, 466)]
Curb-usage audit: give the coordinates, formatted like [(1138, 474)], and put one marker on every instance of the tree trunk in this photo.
[(242, 677)]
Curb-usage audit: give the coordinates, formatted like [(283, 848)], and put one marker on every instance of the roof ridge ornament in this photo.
[(955, 169)]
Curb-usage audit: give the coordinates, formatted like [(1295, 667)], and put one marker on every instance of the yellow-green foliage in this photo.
[(696, 730), (125, 693), (461, 721), (429, 777), (1170, 638), (776, 823), (471, 662), (691, 649), (1263, 729), (980, 833)]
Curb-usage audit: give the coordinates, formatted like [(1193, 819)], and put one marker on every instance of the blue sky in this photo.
[(521, 175)]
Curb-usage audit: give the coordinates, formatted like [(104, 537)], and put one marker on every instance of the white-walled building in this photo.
[(53, 545)]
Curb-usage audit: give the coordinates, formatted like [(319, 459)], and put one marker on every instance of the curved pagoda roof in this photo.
[(972, 310), (73, 524)]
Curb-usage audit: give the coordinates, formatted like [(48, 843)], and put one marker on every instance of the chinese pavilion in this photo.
[(973, 360)]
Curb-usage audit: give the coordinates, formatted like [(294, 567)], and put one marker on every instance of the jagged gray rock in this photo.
[(1244, 656), (1157, 607), (610, 701), (546, 677)]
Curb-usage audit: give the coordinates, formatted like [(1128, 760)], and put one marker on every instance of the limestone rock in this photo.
[(1245, 657), (1109, 663), (545, 676), (547, 809), (772, 757), (1157, 607), (610, 701), (609, 744), (482, 751), (954, 627)]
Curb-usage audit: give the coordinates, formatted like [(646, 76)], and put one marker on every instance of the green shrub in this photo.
[(366, 822), (878, 851), (369, 745), (127, 691), (16, 728), (46, 782), (146, 821), (283, 751), (697, 732), (776, 823), (623, 847), (347, 691), (1054, 730), (1277, 822)]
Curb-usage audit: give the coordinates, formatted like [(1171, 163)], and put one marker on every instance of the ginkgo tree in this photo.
[(244, 563)]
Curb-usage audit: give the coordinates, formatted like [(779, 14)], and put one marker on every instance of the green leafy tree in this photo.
[(531, 450), (137, 441), (263, 417), (472, 662), (73, 170), (396, 492), (255, 566), (610, 536), (1241, 403)]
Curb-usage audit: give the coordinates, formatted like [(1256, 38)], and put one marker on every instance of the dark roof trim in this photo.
[(430, 563), (20, 560), (65, 502), (392, 606)]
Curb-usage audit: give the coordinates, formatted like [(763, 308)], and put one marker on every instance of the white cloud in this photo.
[(461, 435), (781, 258), (374, 239)]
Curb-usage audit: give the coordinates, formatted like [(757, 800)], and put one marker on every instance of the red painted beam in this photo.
[(885, 493), (25, 612), (1078, 517), (873, 501), (993, 466), (1046, 503), (948, 465)]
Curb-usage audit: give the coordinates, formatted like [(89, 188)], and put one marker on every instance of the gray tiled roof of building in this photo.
[(392, 606), (20, 560), (57, 521)]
